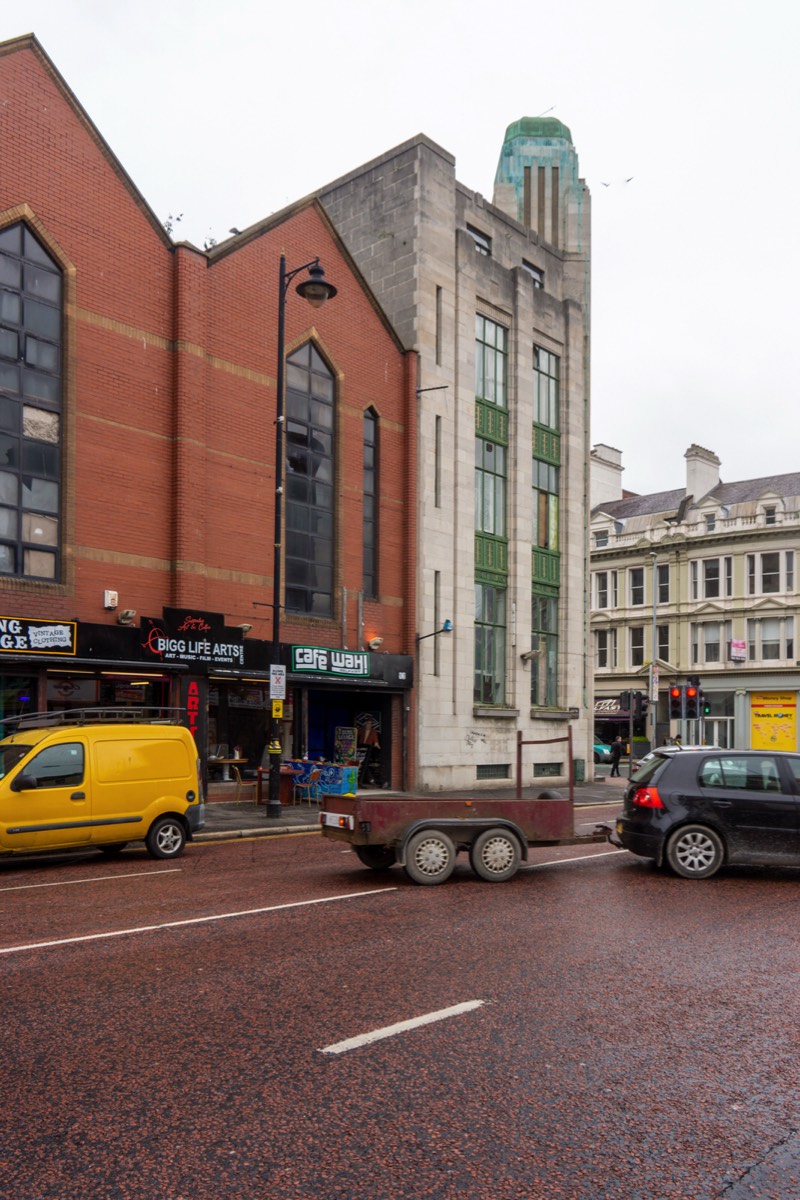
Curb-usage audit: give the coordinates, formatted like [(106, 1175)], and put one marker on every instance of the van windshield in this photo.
[(10, 755)]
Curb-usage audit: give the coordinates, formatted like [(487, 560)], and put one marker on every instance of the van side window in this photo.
[(58, 766)]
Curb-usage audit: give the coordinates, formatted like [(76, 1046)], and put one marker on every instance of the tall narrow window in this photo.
[(490, 487), (490, 644), (663, 583), (438, 326), (30, 406), (546, 388), (491, 361), (662, 640), (545, 505), (544, 664), (309, 483), (437, 617), (370, 503), (437, 463)]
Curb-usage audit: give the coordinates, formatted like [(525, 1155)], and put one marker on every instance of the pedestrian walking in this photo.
[(616, 755)]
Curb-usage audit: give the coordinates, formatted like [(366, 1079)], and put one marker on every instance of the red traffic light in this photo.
[(675, 693), (691, 692)]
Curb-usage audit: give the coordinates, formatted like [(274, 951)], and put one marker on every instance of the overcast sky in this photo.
[(226, 111)]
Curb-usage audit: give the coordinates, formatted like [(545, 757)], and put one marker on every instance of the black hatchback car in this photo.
[(702, 809)]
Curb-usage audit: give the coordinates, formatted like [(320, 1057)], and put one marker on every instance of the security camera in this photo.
[(375, 643), (527, 655), (245, 628), (127, 616)]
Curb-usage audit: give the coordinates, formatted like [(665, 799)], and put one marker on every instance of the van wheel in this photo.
[(430, 857), (112, 851), (379, 858), (494, 855), (166, 838)]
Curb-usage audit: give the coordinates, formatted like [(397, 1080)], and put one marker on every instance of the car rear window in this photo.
[(650, 767)]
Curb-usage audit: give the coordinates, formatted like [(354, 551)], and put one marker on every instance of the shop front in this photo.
[(341, 706), (349, 707)]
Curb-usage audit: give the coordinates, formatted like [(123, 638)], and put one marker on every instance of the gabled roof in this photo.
[(724, 494), (29, 42)]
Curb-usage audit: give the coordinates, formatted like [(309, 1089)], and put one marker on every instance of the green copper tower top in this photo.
[(537, 127), (538, 184)]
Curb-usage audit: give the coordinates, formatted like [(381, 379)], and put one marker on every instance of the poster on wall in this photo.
[(345, 743), (773, 721)]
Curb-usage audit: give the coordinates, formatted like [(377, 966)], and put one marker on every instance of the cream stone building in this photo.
[(697, 582), (494, 296)]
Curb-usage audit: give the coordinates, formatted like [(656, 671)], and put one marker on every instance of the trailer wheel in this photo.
[(379, 858), (430, 857), (494, 855)]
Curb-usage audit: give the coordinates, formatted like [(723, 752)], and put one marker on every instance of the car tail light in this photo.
[(647, 797)]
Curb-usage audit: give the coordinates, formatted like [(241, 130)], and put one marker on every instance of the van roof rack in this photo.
[(93, 716)]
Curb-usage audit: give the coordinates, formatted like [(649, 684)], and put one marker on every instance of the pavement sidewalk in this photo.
[(243, 819)]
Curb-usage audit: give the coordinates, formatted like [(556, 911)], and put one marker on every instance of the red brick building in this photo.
[(137, 455)]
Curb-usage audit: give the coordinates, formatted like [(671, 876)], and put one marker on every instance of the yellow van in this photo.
[(99, 777)]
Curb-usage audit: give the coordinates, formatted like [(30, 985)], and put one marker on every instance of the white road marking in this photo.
[(364, 1039), (24, 887), (559, 862), (246, 912)]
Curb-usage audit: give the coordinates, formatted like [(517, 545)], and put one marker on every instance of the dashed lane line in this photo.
[(376, 1035), (25, 887), (247, 912)]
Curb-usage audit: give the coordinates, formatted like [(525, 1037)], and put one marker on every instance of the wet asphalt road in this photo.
[(166, 1026)]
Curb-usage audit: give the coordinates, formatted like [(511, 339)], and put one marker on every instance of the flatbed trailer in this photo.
[(424, 835)]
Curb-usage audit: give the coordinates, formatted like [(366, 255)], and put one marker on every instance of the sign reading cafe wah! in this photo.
[(28, 635), (322, 661)]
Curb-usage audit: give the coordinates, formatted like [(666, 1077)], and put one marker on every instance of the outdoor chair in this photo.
[(306, 787)]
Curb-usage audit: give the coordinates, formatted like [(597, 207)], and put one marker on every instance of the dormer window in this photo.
[(770, 514), (711, 522), (601, 539)]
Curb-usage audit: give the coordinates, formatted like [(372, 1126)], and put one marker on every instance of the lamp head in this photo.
[(316, 289), (375, 643)]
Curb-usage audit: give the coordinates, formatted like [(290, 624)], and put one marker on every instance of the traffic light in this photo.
[(692, 702), (705, 707), (676, 703), (625, 702), (639, 705)]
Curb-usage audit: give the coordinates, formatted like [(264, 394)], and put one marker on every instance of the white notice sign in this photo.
[(277, 682)]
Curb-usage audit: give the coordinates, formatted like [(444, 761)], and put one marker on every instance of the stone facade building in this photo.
[(700, 581), (494, 297)]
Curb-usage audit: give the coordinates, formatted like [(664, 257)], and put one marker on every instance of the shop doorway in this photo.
[(364, 725)]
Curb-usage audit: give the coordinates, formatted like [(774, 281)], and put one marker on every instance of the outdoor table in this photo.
[(226, 764)]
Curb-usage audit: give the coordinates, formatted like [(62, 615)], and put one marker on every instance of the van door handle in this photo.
[(722, 803), (78, 796)]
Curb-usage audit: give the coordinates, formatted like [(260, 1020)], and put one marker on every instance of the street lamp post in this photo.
[(316, 290)]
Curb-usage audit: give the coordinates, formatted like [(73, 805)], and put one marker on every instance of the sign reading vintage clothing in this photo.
[(323, 661), (187, 635), (28, 635)]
